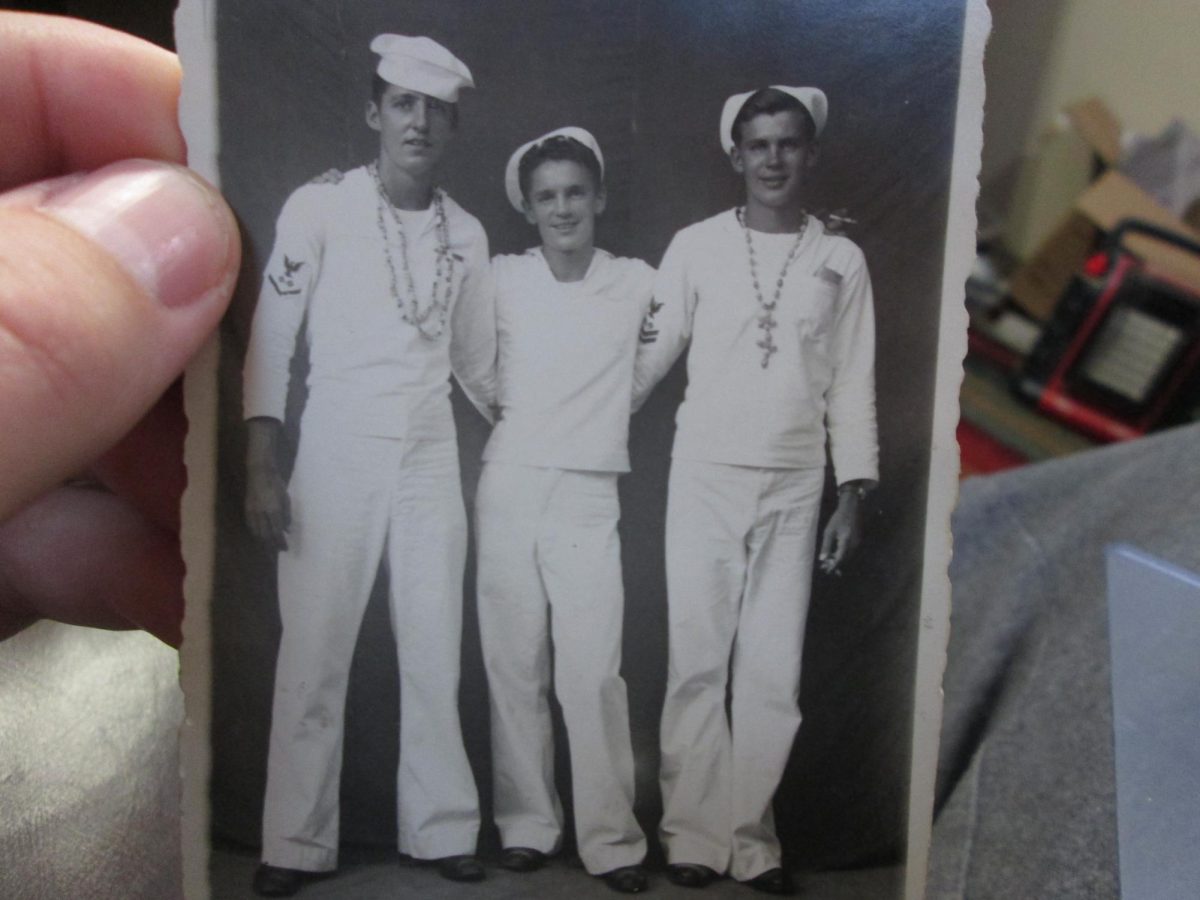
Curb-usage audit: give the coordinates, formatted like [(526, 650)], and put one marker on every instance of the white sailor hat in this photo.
[(512, 181), (421, 64), (811, 98)]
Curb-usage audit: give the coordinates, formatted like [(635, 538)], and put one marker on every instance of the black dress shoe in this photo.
[(460, 868), (522, 859), (627, 879), (691, 875), (274, 881), (772, 881)]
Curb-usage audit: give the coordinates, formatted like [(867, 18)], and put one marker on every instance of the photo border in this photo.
[(196, 41)]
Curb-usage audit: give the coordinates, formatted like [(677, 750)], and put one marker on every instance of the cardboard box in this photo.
[(1098, 127), (1048, 268)]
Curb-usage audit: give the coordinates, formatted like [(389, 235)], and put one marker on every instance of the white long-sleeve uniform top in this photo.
[(565, 361), (371, 372), (735, 410)]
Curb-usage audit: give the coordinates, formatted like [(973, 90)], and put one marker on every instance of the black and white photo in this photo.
[(574, 511)]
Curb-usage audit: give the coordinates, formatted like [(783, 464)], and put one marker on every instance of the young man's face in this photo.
[(414, 128), (563, 202), (773, 157)]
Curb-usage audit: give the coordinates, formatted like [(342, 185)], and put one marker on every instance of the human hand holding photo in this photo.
[(115, 266)]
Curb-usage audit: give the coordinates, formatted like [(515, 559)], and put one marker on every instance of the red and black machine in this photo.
[(1119, 356)]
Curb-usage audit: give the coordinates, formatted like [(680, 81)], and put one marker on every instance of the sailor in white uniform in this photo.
[(389, 281), (778, 314), (549, 572)]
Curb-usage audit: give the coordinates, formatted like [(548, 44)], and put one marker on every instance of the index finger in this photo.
[(145, 468), (76, 96)]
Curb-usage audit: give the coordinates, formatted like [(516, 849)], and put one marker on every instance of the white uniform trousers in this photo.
[(550, 573), (740, 543), (357, 502)]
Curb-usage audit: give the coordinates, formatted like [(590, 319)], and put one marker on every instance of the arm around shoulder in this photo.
[(473, 329), (667, 325)]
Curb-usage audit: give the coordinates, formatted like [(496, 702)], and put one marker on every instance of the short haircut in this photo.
[(559, 147), (379, 87), (767, 102)]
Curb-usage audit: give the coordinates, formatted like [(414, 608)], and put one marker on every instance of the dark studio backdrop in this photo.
[(648, 78)]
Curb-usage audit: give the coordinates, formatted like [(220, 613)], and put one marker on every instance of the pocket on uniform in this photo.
[(797, 520), (817, 305)]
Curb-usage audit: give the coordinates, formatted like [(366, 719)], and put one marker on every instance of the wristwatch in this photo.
[(858, 487)]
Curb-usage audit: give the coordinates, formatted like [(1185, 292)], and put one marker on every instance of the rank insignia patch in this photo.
[(285, 282), (649, 331)]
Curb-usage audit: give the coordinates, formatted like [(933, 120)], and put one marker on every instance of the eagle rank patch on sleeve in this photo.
[(284, 281)]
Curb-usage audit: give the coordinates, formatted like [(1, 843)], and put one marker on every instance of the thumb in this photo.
[(109, 282)]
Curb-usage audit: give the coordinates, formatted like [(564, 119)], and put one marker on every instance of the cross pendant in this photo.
[(768, 347)]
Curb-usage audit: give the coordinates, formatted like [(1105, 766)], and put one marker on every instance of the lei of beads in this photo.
[(767, 321), (410, 308)]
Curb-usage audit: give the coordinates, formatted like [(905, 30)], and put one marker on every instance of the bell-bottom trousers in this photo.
[(550, 575), (740, 543), (359, 502)]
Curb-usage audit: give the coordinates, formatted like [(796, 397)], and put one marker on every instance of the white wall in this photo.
[(1142, 57)]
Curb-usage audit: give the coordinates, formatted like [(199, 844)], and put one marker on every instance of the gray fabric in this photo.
[(1026, 797), (89, 765)]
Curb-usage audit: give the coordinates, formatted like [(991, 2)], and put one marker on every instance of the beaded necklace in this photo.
[(767, 321), (410, 309)]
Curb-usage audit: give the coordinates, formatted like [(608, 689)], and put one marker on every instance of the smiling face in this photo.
[(414, 129), (563, 201), (773, 156)]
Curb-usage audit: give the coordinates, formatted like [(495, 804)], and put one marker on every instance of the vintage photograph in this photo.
[(570, 486)]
